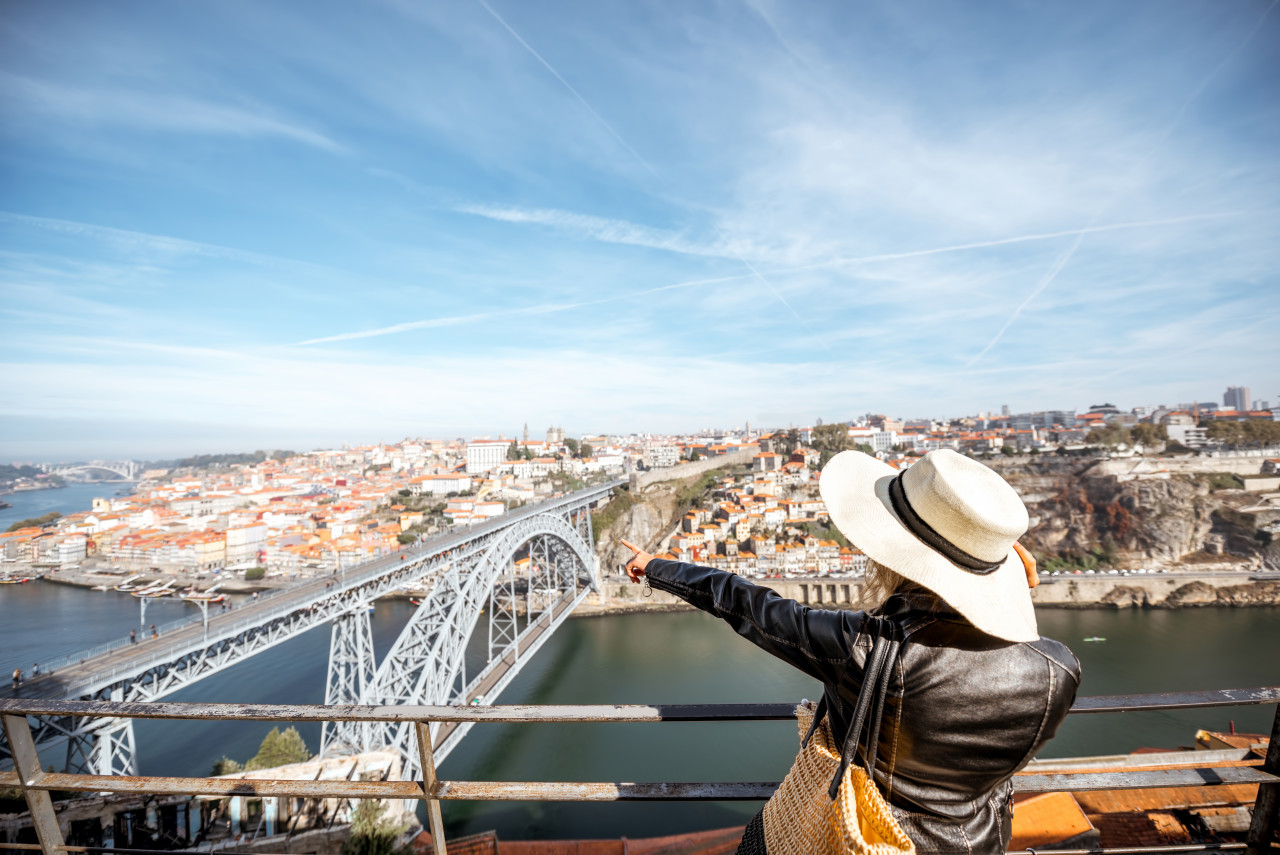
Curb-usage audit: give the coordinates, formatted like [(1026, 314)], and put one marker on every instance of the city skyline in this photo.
[(243, 226), (554, 433)]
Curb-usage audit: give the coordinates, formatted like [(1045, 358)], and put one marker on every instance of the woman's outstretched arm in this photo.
[(814, 640)]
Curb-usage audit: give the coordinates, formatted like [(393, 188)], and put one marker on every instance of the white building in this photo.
[(661, 456), (244, 542), (485, 454)]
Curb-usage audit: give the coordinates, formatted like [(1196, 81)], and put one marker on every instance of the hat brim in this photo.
[(855, 489)]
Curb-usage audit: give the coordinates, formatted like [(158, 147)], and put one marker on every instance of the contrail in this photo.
[(539, 309), (567, 85), (1168, 131), (1044, 283), (960, 247), (583, 101)]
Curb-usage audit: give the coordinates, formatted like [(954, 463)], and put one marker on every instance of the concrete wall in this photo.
[(1237, 464), (640, 480)]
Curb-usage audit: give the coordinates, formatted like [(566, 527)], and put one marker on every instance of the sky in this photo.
[(238, 225)]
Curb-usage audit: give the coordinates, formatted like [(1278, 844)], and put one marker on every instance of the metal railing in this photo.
[(36, 784)]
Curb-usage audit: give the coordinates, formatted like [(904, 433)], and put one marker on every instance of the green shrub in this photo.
[(371, 834), (1224, 481), (255, 573), (623, 500)]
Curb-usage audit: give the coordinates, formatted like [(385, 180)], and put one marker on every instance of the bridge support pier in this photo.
[(351, 669), (108, 748)]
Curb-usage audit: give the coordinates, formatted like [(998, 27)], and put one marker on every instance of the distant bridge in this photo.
[(465, 573), (125, 470)]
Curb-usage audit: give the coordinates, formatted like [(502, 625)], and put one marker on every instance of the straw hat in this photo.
[(948, 523)]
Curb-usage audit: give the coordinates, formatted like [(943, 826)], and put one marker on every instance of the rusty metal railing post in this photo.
[(430, 782), (26, 762), (1262, 830)]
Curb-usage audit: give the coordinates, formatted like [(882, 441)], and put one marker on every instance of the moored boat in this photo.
[(208, 595), (156, 591)]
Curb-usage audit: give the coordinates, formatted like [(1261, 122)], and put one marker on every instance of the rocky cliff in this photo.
[(648, 518), (1078, 511)]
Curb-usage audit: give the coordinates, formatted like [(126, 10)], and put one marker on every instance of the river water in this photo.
[(682, 657), (64, 500)]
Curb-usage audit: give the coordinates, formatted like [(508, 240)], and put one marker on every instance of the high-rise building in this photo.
[(1004, 409), (1237, 398)]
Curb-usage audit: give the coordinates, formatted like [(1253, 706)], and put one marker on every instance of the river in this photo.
[(681, 657), (65, 500)]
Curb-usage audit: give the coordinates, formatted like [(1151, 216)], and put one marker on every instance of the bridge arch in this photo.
[(427, 663)]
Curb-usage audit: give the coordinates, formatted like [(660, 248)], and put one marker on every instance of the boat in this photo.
[(155, 591), (127, 584), (14, 580), (1095, 638), (208, 595)]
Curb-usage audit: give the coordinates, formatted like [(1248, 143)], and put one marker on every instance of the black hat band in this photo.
[(922, 530)]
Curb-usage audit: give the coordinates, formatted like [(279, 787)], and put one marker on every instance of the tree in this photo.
[(1148, 435), (226, 766), (1111, 435), (830, 440), (254, 573), (35, 522), (1243, 433), (571, 444), (513, 451), (585, 450), (406, 538), (694, 456), (371, 833), (279, 749)]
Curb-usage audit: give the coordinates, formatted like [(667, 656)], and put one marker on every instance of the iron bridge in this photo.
[(127, 470), (464, 575)]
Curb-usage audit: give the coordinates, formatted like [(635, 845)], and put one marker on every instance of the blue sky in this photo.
[(236, 225)]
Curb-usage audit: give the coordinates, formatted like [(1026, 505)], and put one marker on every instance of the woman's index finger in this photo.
[(631, 546)]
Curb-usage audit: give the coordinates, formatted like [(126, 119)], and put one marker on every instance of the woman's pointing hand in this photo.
[(639, 562)]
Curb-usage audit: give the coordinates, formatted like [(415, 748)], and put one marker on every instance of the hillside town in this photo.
[(317, 512)]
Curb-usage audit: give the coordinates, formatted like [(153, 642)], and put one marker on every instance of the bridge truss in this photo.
[(466, 574)]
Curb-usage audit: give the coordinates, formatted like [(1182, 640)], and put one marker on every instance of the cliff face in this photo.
[(645, 523), (1161, 520)]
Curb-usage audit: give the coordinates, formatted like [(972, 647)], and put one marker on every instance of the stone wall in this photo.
[(1236, 464), (640, 480)]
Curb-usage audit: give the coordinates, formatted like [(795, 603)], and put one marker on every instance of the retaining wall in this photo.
[(640, 480)]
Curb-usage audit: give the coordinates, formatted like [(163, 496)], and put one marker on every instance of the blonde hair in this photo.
[(880, 583)]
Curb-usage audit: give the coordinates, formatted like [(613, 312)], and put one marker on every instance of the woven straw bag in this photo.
[(827, 805)]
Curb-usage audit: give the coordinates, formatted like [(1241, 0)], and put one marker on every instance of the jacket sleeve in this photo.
[(816, 641)]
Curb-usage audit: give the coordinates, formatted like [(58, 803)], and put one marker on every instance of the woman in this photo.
[(975, 692)]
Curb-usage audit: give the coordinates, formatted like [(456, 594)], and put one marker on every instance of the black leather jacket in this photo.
[(964, 712)]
